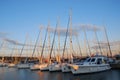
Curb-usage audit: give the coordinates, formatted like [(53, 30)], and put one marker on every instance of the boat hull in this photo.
[(55, 67), (65, 67), (11, 65), (23, 66), (35, 67), (89, 69)]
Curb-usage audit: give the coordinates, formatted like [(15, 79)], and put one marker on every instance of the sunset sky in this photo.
[(19, 18)]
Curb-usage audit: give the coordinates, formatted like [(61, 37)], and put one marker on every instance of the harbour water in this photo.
[(26, 74)]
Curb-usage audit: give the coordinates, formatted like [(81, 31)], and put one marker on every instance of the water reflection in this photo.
[(15, 74)]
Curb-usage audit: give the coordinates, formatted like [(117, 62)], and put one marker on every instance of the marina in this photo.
[(59, 40)]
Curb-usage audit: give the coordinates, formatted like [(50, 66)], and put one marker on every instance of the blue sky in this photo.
[(21, 17)]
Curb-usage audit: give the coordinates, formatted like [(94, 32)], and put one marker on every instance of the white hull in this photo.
[(65, 67), (91, 65), (55, 67), (76, 69), (44, 67), (11, 65), (35, 67), (3, 64), (23, 66)]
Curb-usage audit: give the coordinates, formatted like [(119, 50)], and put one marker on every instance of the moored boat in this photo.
[(91, 65)]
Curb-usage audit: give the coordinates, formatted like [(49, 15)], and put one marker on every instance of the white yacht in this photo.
[(90, 65)]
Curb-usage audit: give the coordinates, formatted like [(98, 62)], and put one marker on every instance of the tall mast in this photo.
[(53, 41), (87, 41), (49, 41), (70, 29), (79, 46), (36, 43), (66, 36), (43, 45), (98, 42), (23, 47), (108, 42), (58, 38), (12, 52), (58, 47)]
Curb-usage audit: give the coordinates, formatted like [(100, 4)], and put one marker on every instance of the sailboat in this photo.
[(35, 66), (66, 65), (54, 65), (25, 64), (44, 66), (41, 65)]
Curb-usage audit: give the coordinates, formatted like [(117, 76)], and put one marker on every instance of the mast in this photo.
[(87, 41), (58, 40), (66, 37), (79, 46), (12, 52), (108, 42), (58, 29), (49, 41), (23, 47), (53, 41), (43, 45), (98, 42), (70, 37), (36, 43)]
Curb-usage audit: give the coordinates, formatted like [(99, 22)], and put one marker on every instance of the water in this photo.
[(15, 74)]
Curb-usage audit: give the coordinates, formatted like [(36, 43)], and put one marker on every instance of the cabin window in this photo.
[(93, 60), (88, 60), (99, 61)]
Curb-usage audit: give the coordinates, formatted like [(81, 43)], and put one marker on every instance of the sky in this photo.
[(19, 18)]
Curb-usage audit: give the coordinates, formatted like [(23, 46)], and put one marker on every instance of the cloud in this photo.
[(18, 43), (12, 41), (104, 44), (62, 31), (87, 27), (3, 34), (75, 29), (114, 43)]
